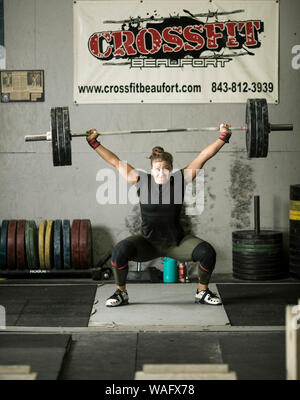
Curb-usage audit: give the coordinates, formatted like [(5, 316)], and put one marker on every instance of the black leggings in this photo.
[(137, 248)]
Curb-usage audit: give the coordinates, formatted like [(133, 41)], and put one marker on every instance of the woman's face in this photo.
[(161, 171)]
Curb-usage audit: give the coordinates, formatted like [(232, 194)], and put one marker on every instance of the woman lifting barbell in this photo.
[(161, 196)]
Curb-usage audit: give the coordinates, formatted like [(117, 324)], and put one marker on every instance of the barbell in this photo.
[(257, 130)]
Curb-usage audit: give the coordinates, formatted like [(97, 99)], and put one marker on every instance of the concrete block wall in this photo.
[(39, 35)]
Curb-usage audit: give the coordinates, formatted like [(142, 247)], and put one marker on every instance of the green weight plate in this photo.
[(263, 235), (260, 248), (54, 139), (243, 276), (67, 136), (257, 272), (257, 268), (31, 244), (251, 128), (256, 261)]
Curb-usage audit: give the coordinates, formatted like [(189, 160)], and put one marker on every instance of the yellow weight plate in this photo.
[(42, 231), (294, 217), (294, 205), (49, 245), (295, 213)]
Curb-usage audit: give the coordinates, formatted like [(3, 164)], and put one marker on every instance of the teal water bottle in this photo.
[(170, 270)]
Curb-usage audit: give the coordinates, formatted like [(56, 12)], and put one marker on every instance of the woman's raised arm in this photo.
[(124, 169), (190, 170)]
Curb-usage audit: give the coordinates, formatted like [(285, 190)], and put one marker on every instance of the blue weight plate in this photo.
[(67, 243), (57, 244), (3, 244)]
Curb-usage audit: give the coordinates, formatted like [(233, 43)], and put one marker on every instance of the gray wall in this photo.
[(38, 35)]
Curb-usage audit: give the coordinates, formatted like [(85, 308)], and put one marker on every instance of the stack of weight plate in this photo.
[(53, 246), (18, 245), (257, 254), (295, 231)]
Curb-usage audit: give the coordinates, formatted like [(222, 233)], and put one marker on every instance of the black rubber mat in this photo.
[(43, 353), (63, 305), (252, 355), (258, 304)]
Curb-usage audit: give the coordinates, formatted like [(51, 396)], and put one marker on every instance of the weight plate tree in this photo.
[(257, 254)]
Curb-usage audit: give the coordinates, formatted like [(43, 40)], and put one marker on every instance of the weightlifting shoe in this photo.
[(207, 297), (119, 298)]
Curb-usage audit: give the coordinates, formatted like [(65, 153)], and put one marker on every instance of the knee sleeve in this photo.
[(205, 254), (122, 253)]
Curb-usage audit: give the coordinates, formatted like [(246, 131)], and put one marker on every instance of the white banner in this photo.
[(175, 51)]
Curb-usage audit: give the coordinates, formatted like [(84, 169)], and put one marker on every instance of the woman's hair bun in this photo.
[(157, 151)]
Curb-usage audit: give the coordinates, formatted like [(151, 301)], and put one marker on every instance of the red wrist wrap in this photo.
[(225, 137), (94, 143)]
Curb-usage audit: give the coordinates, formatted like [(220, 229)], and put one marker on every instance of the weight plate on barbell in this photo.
[(3, 244), (60, 135), (67, 244), (67, 136), (265, 130), (251, 128), (54, 139)]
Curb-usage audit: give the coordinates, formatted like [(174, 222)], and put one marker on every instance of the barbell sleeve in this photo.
[(281, 127), (35, 138)]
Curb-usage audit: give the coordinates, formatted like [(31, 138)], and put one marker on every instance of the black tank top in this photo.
[(161, 205)]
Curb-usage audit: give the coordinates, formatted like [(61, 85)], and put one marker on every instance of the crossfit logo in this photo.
[(114, 189), (176, 41), (2, 318)]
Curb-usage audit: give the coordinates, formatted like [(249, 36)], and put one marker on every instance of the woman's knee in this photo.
[(123, 252), (205, 254)]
